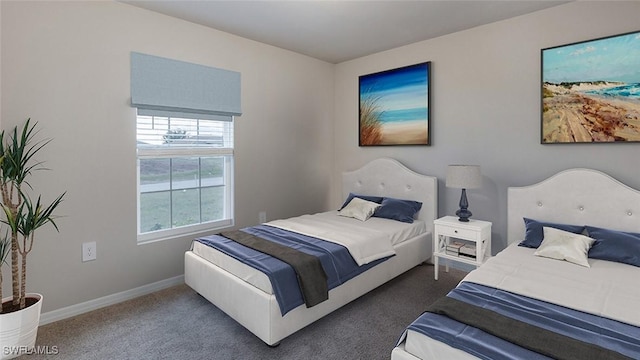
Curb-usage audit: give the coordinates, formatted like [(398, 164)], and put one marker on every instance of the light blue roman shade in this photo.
[(166, 87)]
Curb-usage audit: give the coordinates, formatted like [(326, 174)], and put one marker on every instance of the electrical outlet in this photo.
[(89, 251), (262, 217)]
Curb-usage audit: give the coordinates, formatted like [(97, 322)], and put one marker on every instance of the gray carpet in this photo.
[(177, 323)]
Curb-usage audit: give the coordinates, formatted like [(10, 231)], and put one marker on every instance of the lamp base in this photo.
[(463, 213)]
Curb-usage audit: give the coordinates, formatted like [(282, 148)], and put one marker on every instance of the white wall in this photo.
[(66, 65), (485, 99)]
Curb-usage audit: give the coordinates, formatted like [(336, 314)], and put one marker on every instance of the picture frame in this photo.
[(590, 91), (394, 107)]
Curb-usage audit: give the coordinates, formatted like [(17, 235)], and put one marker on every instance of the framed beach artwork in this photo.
[(394, 106), (591, 91)]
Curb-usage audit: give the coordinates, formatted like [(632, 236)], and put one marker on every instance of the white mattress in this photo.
[(396, 230), (603, 289)]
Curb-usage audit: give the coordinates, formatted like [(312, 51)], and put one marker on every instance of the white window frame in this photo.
[(193, 229)]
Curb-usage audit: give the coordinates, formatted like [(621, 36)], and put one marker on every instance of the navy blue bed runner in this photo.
[(599, 331), (336, 261)]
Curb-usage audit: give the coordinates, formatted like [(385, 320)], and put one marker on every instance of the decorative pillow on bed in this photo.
[(564, 245), (359, 209), (397, 209), (375, 199), (612, 245), (533, 234)]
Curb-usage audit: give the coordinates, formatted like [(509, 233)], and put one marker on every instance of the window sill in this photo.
[(184, 232)]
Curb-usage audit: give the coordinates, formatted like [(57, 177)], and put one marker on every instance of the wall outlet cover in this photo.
[(89, 251)]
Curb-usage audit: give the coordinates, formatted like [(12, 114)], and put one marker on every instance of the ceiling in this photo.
[(337, 31)]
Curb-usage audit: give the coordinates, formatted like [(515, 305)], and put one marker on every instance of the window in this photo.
[(184, 133), (185, 171)]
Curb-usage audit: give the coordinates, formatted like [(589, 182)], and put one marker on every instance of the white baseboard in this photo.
[(77, 309)]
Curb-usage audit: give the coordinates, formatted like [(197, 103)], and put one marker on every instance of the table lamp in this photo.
[(464, 177)]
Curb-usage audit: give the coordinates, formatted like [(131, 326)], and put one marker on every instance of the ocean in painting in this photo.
[(631, 91), (393, 116)]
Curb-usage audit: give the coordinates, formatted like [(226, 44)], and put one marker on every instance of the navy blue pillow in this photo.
[(534, 234), (397, 209), (612, 245), (375, 199)]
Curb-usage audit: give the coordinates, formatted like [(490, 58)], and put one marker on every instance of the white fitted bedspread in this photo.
[(395, 232), (606, 289), (366, 241)]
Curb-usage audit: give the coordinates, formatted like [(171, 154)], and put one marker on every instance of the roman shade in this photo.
[(162, 87)]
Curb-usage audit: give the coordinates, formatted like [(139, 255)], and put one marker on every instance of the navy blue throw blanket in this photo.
[(338, 264), (531, 337), (601, 335)]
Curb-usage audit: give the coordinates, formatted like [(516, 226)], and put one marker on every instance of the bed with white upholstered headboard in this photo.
[(387, 177), (579, 268), (247, 295), (574, 196)]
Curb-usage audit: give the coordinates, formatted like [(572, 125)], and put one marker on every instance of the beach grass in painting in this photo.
[(394, 106), (591, 91)]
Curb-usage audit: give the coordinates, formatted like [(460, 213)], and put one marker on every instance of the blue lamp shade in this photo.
[(464, 177)]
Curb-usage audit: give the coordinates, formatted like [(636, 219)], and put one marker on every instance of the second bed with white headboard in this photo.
[(573, 287)]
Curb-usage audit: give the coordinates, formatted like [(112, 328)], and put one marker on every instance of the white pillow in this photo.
[(359, 209), (563, 245)]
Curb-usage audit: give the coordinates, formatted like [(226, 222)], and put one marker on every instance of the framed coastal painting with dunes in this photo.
[(591, 91), (394, 106)]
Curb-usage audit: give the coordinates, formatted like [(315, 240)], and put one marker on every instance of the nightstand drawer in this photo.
[(457, 233)]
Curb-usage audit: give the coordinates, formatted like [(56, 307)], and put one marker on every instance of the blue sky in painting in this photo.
[(611, 59), (401, 92)]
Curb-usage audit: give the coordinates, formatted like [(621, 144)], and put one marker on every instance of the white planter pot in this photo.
[(18, 330)]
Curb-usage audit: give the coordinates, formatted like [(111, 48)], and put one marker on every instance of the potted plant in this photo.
[(20, 314)]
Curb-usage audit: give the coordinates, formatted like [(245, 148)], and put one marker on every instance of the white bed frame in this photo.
[(259, 311), (575, 196)]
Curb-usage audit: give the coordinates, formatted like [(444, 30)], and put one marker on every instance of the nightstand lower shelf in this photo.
[(470, 241), (448, 258)]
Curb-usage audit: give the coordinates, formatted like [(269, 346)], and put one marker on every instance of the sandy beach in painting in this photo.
[(570, 115), (405, 133)]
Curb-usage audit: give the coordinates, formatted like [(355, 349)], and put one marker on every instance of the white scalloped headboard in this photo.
[(575, 196), (388, 177)]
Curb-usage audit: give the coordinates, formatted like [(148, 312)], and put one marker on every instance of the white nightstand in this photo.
[(474, 234)]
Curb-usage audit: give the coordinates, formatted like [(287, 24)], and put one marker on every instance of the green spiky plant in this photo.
[(22, 215)]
